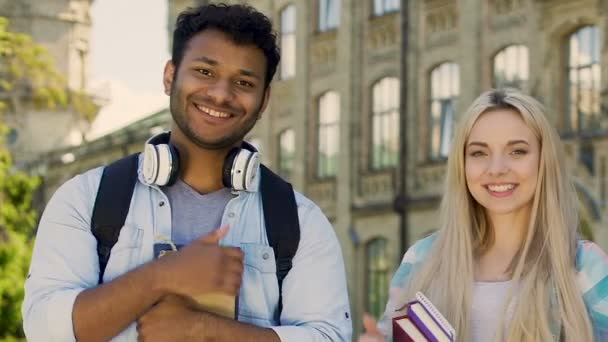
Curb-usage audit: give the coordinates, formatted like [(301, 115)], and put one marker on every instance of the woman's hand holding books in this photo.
[(371, 334)]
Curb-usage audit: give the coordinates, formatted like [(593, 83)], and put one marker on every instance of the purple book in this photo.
[(427, 323)]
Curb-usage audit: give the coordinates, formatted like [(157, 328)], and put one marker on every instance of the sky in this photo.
[(129, 48)]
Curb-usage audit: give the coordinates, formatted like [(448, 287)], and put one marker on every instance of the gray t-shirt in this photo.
[(192, 214)]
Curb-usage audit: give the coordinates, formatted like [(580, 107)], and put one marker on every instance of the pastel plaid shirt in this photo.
[(592, 277)]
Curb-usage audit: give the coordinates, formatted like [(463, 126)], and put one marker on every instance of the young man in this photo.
[(218, 80)]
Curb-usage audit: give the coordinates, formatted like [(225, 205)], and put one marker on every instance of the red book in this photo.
[(404, 330)]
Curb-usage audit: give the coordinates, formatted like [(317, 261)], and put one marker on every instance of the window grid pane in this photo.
[(288, 42), (287, 149), (382, 7), (385, 124), (329, 135), (583, 87), (511, 67), (377, 276), (329, 14), (445, 88)]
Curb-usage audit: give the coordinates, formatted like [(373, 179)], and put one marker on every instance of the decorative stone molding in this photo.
[(323, 49), (378, 186), (429, 178), (502, 7), (323, 193), (282, 90), (440, 23), (383, 32), (505, 22), (441, 17)]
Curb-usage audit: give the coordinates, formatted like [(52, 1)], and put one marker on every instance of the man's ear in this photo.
[(168, 76), (265, 101)]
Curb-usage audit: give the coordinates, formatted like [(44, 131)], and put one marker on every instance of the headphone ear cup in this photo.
[(244, 169), (174, 164), (228, 167), (150, 164)]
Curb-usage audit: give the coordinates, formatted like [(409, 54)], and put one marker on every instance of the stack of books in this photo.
[(220, 304), (422, 322)]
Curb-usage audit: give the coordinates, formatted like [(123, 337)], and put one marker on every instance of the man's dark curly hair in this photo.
[(244, 24)]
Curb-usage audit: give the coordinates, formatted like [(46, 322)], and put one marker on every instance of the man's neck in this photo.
[(200, 168)]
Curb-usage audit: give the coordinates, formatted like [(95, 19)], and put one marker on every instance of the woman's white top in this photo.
[(486, 313)]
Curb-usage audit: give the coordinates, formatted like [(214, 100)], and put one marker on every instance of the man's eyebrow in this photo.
[(249, 73), (213, 62), (206, 60)]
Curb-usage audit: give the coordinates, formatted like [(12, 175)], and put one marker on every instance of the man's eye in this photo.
[(245, 83), (205, 72)]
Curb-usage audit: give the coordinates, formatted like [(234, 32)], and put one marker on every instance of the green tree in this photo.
[(27, 76)]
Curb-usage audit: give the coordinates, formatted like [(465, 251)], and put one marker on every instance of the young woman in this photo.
[(507, 263)]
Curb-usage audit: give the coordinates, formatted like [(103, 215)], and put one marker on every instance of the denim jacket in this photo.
[(65, 262), (592, 277)]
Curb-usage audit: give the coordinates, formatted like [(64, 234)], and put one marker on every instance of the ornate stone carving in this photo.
[(383, 32), (378, 186), (323, 193), (323, 49), (442, 18)]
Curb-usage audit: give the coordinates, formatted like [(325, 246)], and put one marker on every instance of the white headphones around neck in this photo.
[(161, 164)]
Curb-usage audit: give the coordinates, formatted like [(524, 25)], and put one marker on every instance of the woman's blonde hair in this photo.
[(548, 298)]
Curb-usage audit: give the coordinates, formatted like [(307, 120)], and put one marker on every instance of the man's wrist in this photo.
[(206, 325), (156, 278)]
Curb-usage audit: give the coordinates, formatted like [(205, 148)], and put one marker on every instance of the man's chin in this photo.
[(218, 144)]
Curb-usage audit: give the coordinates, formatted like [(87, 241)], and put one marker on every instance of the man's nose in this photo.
[(220, 91)]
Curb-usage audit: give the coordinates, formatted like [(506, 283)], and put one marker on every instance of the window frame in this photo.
[(288, 35), (447, 105), (376, 279), (383, 113), (574, 118), (324, 130), (285, 163), (522, 53)]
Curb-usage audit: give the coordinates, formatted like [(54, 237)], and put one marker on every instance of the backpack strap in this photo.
[(282, 223), (112, 205)]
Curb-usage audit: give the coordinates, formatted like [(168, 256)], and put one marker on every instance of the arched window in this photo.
[(583, 75), (377, 276), (445, 88), (288, 42), (329, 15), (287, 151), (385, 123), (382, 7), (328, 134), (511, 67)]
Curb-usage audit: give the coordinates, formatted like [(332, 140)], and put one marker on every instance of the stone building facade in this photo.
[(332, 126), (63, 28)]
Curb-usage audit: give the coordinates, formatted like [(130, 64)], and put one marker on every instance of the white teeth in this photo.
[(213, 113), (501, 188)]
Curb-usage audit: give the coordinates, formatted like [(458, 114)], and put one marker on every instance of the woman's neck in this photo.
[(509, 233)]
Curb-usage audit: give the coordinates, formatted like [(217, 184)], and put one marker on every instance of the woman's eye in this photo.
[(476, 154), (520, 152)]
